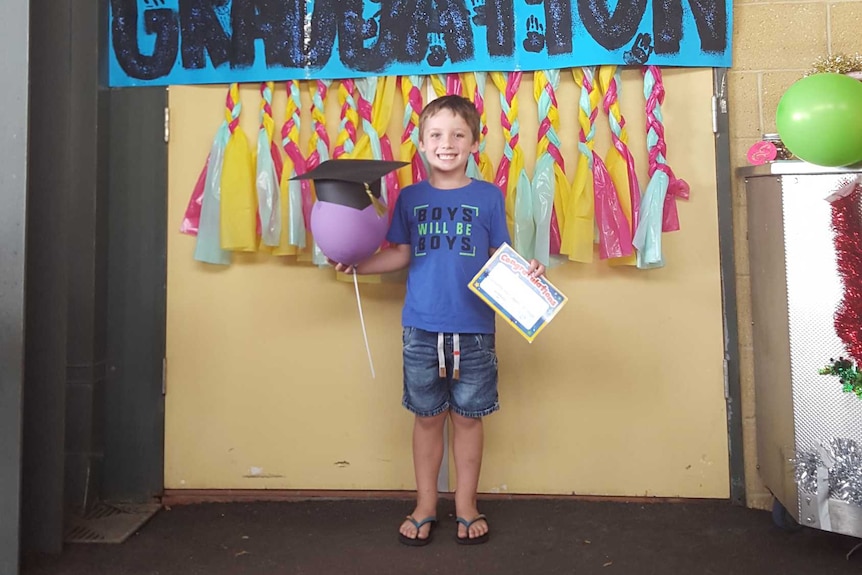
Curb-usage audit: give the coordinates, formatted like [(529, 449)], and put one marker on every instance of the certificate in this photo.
[(527, 303)]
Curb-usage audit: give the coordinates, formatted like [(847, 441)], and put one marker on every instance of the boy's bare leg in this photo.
[(468, 443), (427, 456)]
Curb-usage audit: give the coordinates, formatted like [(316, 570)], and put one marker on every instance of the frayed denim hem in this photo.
[(476, 414), (432, 413)]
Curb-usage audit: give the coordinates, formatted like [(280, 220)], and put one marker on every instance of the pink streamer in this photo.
[(631, 168), (615, 233), (417, 165), (192, 218), (453, 84), (677, 188), (276, 160), (300, 164), (502, 178)]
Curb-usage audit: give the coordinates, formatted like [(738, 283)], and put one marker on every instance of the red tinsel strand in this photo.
[(847, 225)]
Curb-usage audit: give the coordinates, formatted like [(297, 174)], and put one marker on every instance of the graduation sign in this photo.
[(161, 42)]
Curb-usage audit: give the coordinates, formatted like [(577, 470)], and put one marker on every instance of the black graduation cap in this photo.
[(352, 183)]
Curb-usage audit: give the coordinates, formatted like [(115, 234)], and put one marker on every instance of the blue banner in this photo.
[(160, 42)]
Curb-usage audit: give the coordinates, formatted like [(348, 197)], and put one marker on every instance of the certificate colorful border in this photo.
[(507, 257)]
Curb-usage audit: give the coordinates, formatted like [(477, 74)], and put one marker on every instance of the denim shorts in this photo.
[(427, 393)]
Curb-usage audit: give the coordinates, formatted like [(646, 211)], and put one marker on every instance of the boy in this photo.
[(445, 229)]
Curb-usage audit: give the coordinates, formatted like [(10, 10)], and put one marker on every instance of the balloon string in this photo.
[(362, 321)]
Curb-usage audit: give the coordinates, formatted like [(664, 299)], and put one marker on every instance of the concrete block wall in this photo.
[(774, 43)]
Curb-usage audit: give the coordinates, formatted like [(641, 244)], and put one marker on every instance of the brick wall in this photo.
[(774, 43)]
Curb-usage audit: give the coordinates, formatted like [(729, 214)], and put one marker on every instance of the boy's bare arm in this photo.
[(394, 258)]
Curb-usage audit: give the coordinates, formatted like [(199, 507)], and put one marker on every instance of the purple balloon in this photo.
[(347, 235)]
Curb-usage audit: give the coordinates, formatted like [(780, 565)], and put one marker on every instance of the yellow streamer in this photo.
[(381, 112), (438, 82), (408, 147), (345, 142), (580, 215), (238, 197)]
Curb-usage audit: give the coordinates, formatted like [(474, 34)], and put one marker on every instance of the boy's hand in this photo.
[(343, 268), (536, 268)]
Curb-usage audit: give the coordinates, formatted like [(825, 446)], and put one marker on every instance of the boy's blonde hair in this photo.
[(459, 106)]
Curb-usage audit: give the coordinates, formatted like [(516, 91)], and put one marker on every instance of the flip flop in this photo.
[(418, 542), (475, 540)]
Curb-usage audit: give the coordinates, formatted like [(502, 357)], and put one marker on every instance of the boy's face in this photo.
[(447, 142)]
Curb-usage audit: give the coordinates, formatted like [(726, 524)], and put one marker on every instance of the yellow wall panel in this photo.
[(623, 394)]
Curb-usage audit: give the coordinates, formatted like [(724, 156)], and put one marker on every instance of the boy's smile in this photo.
[(447, 143)]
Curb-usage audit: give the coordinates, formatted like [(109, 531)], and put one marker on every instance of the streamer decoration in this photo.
[(375, 120), (294, 194), (479, 166), (234, 205), (267, 179), (450, 84), (511, 176), (550, 185), (374, 142), (318, 151), (192, 217), (239, 200), (658, 205), (619, 160), (208, 245), (677, 188), (347, 136), (411, 93), (614, 231), (580, 216)]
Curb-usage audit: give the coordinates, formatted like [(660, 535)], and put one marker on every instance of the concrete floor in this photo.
[(539, 536)]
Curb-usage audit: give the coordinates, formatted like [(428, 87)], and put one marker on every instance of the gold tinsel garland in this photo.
[(837, 64)]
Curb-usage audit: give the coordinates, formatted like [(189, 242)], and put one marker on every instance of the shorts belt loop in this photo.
[(456, 356), (441, 357)]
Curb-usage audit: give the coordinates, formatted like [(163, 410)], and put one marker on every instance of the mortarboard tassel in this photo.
[(378, 205)]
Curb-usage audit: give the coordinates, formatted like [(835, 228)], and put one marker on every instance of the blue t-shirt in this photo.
[(450, 233)]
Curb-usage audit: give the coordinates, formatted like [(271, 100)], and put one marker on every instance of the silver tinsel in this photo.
[(806, 471), (843, 459)]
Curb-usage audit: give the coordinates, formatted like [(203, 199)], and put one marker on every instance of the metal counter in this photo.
[(795, 289)]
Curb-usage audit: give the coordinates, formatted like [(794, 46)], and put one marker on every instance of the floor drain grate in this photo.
[(108, 522)]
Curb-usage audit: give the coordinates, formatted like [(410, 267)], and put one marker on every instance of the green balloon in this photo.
[(819, 119)]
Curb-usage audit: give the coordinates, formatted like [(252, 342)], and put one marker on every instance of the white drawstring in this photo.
[(441, 358), (456, 356)]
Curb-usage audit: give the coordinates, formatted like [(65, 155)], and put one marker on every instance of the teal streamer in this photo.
[(525, 227), (296, 230), (296, 235), (322, 149), (584, 103), (647, 238), (543, 185), (267, 184), (208, 245)]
